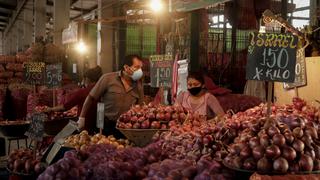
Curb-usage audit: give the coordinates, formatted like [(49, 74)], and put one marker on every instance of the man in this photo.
[(77, 98), (118, 91)]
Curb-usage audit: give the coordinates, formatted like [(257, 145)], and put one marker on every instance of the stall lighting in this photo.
[(81, 47), (156, 5)]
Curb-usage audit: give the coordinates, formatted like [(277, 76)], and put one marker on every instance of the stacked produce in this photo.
[(152, 117), (11, 69), (22, 161), (71, 113), (83, 140), (292, 146)]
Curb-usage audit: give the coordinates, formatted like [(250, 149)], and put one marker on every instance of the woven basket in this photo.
[(140, 137)]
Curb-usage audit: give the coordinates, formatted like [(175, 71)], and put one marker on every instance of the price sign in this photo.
[(161, 70), (36, 129), (34, 73), (100, 115), (272, 57), (300, 70), (54, 75)]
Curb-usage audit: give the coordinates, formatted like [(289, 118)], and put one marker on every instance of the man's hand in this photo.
[(81, 123)]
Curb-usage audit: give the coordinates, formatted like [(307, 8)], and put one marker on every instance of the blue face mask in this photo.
[(137, 75)]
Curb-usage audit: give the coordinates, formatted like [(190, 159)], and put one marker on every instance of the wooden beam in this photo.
[(16, 14)]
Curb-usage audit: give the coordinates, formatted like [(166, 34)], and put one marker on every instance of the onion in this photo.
[(237, 162), (279, 139), (310, 152), (258, 152), (305, 163), (294, 167), (289, 137), (289, 153), (273, 152), (307, 139), (264, 140), (297, 132), (249, 164), (298, 145), (281, 165), (254, 142), (245, 153), (316, 165), (312, 132), (264, 165), (317, 151), (272, 131)]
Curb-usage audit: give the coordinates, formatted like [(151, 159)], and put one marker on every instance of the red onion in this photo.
[(279, 139), (289, 153), (289, 137), (258, 152), (280, 165), (273, 152), (264, 140), (272, 131), (298, 145), (297, 132), (264, 165), (305, 163), (254, 142)]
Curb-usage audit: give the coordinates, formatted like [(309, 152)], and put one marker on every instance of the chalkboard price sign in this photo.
[(272, 57), (161, 70), (36, 129), (54, 75), (301, 76), (34, 73)]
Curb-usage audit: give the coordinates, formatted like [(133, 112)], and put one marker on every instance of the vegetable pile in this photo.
[(22, 161), (83, 140), (152, 117)]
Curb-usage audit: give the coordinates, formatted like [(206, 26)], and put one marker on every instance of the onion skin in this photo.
[(305, 163), (281, 165)]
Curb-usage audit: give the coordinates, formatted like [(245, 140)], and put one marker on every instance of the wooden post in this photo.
[(269, 101), (296, 92)]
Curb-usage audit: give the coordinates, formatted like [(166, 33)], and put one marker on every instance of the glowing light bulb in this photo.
[(81, 47), (156, 5)]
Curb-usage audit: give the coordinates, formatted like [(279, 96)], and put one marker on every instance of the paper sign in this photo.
[(34, 73), (36, 129), (272, 57), (100, 115), (161, 70), (54, 150), (300, 70), (54, 75)]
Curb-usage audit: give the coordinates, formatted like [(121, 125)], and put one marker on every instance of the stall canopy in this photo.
[(187, 5)]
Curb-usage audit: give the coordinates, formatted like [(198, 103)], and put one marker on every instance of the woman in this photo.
[(197, 99), (78, 97)]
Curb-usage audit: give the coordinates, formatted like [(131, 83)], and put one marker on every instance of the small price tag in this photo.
[(34, 73), (36, 129), (100, 115), (54, 75)]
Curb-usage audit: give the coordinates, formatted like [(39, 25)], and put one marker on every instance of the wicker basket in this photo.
[(140, 137), (53, 127)]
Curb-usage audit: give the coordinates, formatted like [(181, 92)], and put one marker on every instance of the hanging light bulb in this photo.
[(81, 47), (156, 5)]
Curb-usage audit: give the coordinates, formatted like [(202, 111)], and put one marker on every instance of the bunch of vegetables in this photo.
[(152, 117), (290, 144), (22, 161), (83, 140)]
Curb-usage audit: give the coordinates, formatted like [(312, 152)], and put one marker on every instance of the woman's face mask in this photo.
[(194, 86), (195, 90)]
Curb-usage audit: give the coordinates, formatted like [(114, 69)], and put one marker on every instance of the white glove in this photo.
[(81, 122)]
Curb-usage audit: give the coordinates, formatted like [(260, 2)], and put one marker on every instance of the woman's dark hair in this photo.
[(128, 60), (196, 75), (93, 74)]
